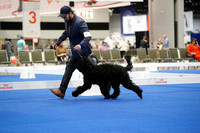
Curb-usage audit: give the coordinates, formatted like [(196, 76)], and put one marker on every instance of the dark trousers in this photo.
[(122, 53), (147, 53), (8, 56), (67, 75)]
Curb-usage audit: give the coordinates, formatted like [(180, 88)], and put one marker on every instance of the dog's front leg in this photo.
[(81, 89), (105, 89)]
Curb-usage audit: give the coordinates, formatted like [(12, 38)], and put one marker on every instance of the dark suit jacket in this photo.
[(7, 46), (144, 44), (79, 34)]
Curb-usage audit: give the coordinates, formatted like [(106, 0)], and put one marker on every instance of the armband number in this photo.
[(87, 34)]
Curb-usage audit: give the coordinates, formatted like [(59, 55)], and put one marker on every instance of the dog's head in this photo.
[(83, 64)]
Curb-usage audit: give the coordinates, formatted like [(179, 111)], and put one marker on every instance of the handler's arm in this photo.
[(61, 38), (87, 36)]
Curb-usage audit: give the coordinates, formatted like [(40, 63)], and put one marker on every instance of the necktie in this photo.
[(69, 28)]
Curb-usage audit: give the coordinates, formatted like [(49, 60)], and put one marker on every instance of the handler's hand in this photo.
[(55, 46), (92, 54), (78, 47)]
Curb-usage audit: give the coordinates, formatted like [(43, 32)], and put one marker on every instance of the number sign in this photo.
[(31, 19)]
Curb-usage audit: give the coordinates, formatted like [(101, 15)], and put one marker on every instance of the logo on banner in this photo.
[(161, 81), (6, 86)]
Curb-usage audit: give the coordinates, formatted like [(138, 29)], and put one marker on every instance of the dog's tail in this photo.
[(129, 65)]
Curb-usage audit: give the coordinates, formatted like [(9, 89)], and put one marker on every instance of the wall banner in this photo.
[(188, 21), (131, 24), (126, 12), (31, 19)]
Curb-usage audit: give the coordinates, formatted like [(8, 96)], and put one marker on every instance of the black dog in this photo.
[(105, 75)]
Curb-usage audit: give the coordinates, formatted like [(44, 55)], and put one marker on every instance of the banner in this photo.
[(134, 23), (9, 8), (13, 8), (31, 19), (188, 21), (126, 12)]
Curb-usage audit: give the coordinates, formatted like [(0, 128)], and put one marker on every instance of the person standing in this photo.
[(144, 44), (123, 47), (166, 41), (21, 44), (78, 33), (7, 46)]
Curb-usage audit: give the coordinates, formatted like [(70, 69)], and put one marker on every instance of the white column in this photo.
[(179, 18), (161, 14)]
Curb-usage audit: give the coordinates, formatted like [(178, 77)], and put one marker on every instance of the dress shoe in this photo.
[(58, 93)]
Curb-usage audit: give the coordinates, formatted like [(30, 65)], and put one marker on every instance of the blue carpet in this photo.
[(164, 109)]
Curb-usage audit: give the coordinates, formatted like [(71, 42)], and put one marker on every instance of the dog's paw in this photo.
[(139, 93), (113, 96), (75, 94), (106, 97)]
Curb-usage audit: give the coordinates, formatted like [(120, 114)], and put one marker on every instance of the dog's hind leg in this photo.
[(81, 89), (131, 86), (108, 87), (104, 90), (115, 86)]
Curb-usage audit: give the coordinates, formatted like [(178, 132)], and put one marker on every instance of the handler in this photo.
[(78, 33)]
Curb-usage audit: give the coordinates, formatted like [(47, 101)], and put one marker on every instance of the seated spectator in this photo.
[(90, 45), (1, 46), (159, 44), (193, 49), (104, 46), (116, 47), (93, 59), (96, 46), (61, 53), (52, 45)]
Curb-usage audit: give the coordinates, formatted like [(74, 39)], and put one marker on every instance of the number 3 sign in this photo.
[(31, 19)]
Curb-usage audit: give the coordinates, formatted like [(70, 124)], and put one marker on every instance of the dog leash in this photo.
[(77, 52)]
